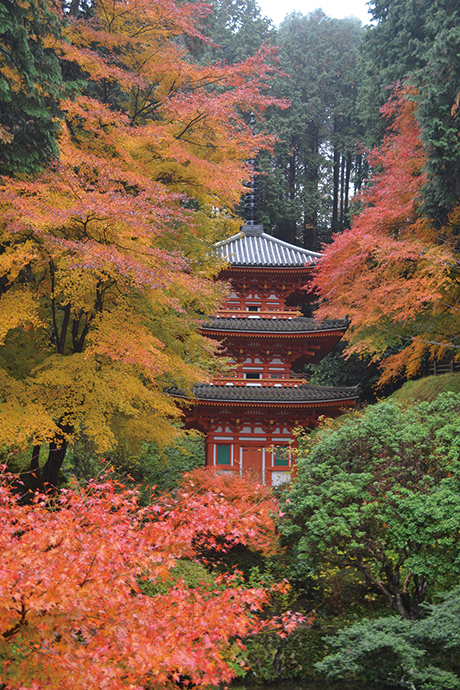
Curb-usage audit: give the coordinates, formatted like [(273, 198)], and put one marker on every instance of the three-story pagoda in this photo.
[(249, 415)]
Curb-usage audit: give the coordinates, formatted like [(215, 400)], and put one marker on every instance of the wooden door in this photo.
[(252, 461)]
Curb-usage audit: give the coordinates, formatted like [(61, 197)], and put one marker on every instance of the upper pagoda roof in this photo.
[(300, 324), (253, 247)]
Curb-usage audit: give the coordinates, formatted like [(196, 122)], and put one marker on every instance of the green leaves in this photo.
[(413, 654), (31, 86), (378, 492), (421, 46)]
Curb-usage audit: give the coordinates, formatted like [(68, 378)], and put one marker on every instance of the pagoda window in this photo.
[(253, 375), (223, 454), (280, 456), (252, 308)]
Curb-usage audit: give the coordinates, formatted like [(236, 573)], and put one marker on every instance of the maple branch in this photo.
[(85, 579), (22, 622), (192, 122), (207, 145), (148, 104), (430, 342), (414, 338)]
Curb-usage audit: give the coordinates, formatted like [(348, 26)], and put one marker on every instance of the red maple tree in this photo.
[(393, 272), (88, 596)]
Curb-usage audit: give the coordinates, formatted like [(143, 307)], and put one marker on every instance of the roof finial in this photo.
[(250, 202)]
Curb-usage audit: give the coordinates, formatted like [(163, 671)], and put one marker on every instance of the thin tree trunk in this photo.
[(74, 7), (335, 197), (342, 185), (310, 231), (346, 223), (358, 172), (35, 468)]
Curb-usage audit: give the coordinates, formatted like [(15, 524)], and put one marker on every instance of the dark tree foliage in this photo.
[(31, 85), (377, 493), (305, 187), (337, 370), (400, 653), (237, 30), (417, 40)]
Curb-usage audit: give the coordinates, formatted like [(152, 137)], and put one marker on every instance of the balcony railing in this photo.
[(287, 313), (279, 382), (233, 374)]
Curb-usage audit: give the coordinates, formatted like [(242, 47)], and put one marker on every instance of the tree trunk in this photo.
[(35, 468), (56, 455), (310, 232), (74, 7), (342, 192), (335, 197), (346, 218)]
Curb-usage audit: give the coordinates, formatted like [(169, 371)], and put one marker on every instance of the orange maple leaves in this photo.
[(73, 574)]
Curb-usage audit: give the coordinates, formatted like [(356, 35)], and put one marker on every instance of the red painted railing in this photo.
[(287, 313), (285, 382)]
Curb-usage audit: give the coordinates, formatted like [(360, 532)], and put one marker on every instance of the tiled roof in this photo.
[(300, 324), (253, 247), (305, 393)]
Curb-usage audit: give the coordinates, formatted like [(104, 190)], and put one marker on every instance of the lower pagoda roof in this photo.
[(304, 393), (300, 324)]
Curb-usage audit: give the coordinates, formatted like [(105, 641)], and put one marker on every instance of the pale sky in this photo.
[(278, 9)]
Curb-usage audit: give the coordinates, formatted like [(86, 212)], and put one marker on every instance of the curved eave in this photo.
[(274, 403), (258, 268), (297, 326), (273, 334), (305, 395)]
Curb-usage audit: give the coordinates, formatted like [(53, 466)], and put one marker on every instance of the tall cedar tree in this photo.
[(418, 41), (393, 274), (104, 256), (31, 86), (237, 30), (304, 188)]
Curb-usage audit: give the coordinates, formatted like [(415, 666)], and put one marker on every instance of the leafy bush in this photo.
[(150, 467), (413, 654), (378, 492)]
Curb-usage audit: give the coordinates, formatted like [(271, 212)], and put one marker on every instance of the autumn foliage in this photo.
[(393, 272), (87, 597), (105, 266)]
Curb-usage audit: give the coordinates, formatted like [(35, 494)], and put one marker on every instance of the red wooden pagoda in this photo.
[(249, 415)]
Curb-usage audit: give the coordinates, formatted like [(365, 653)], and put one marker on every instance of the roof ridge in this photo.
[(238, 235), (289, 245), (271, 238)]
